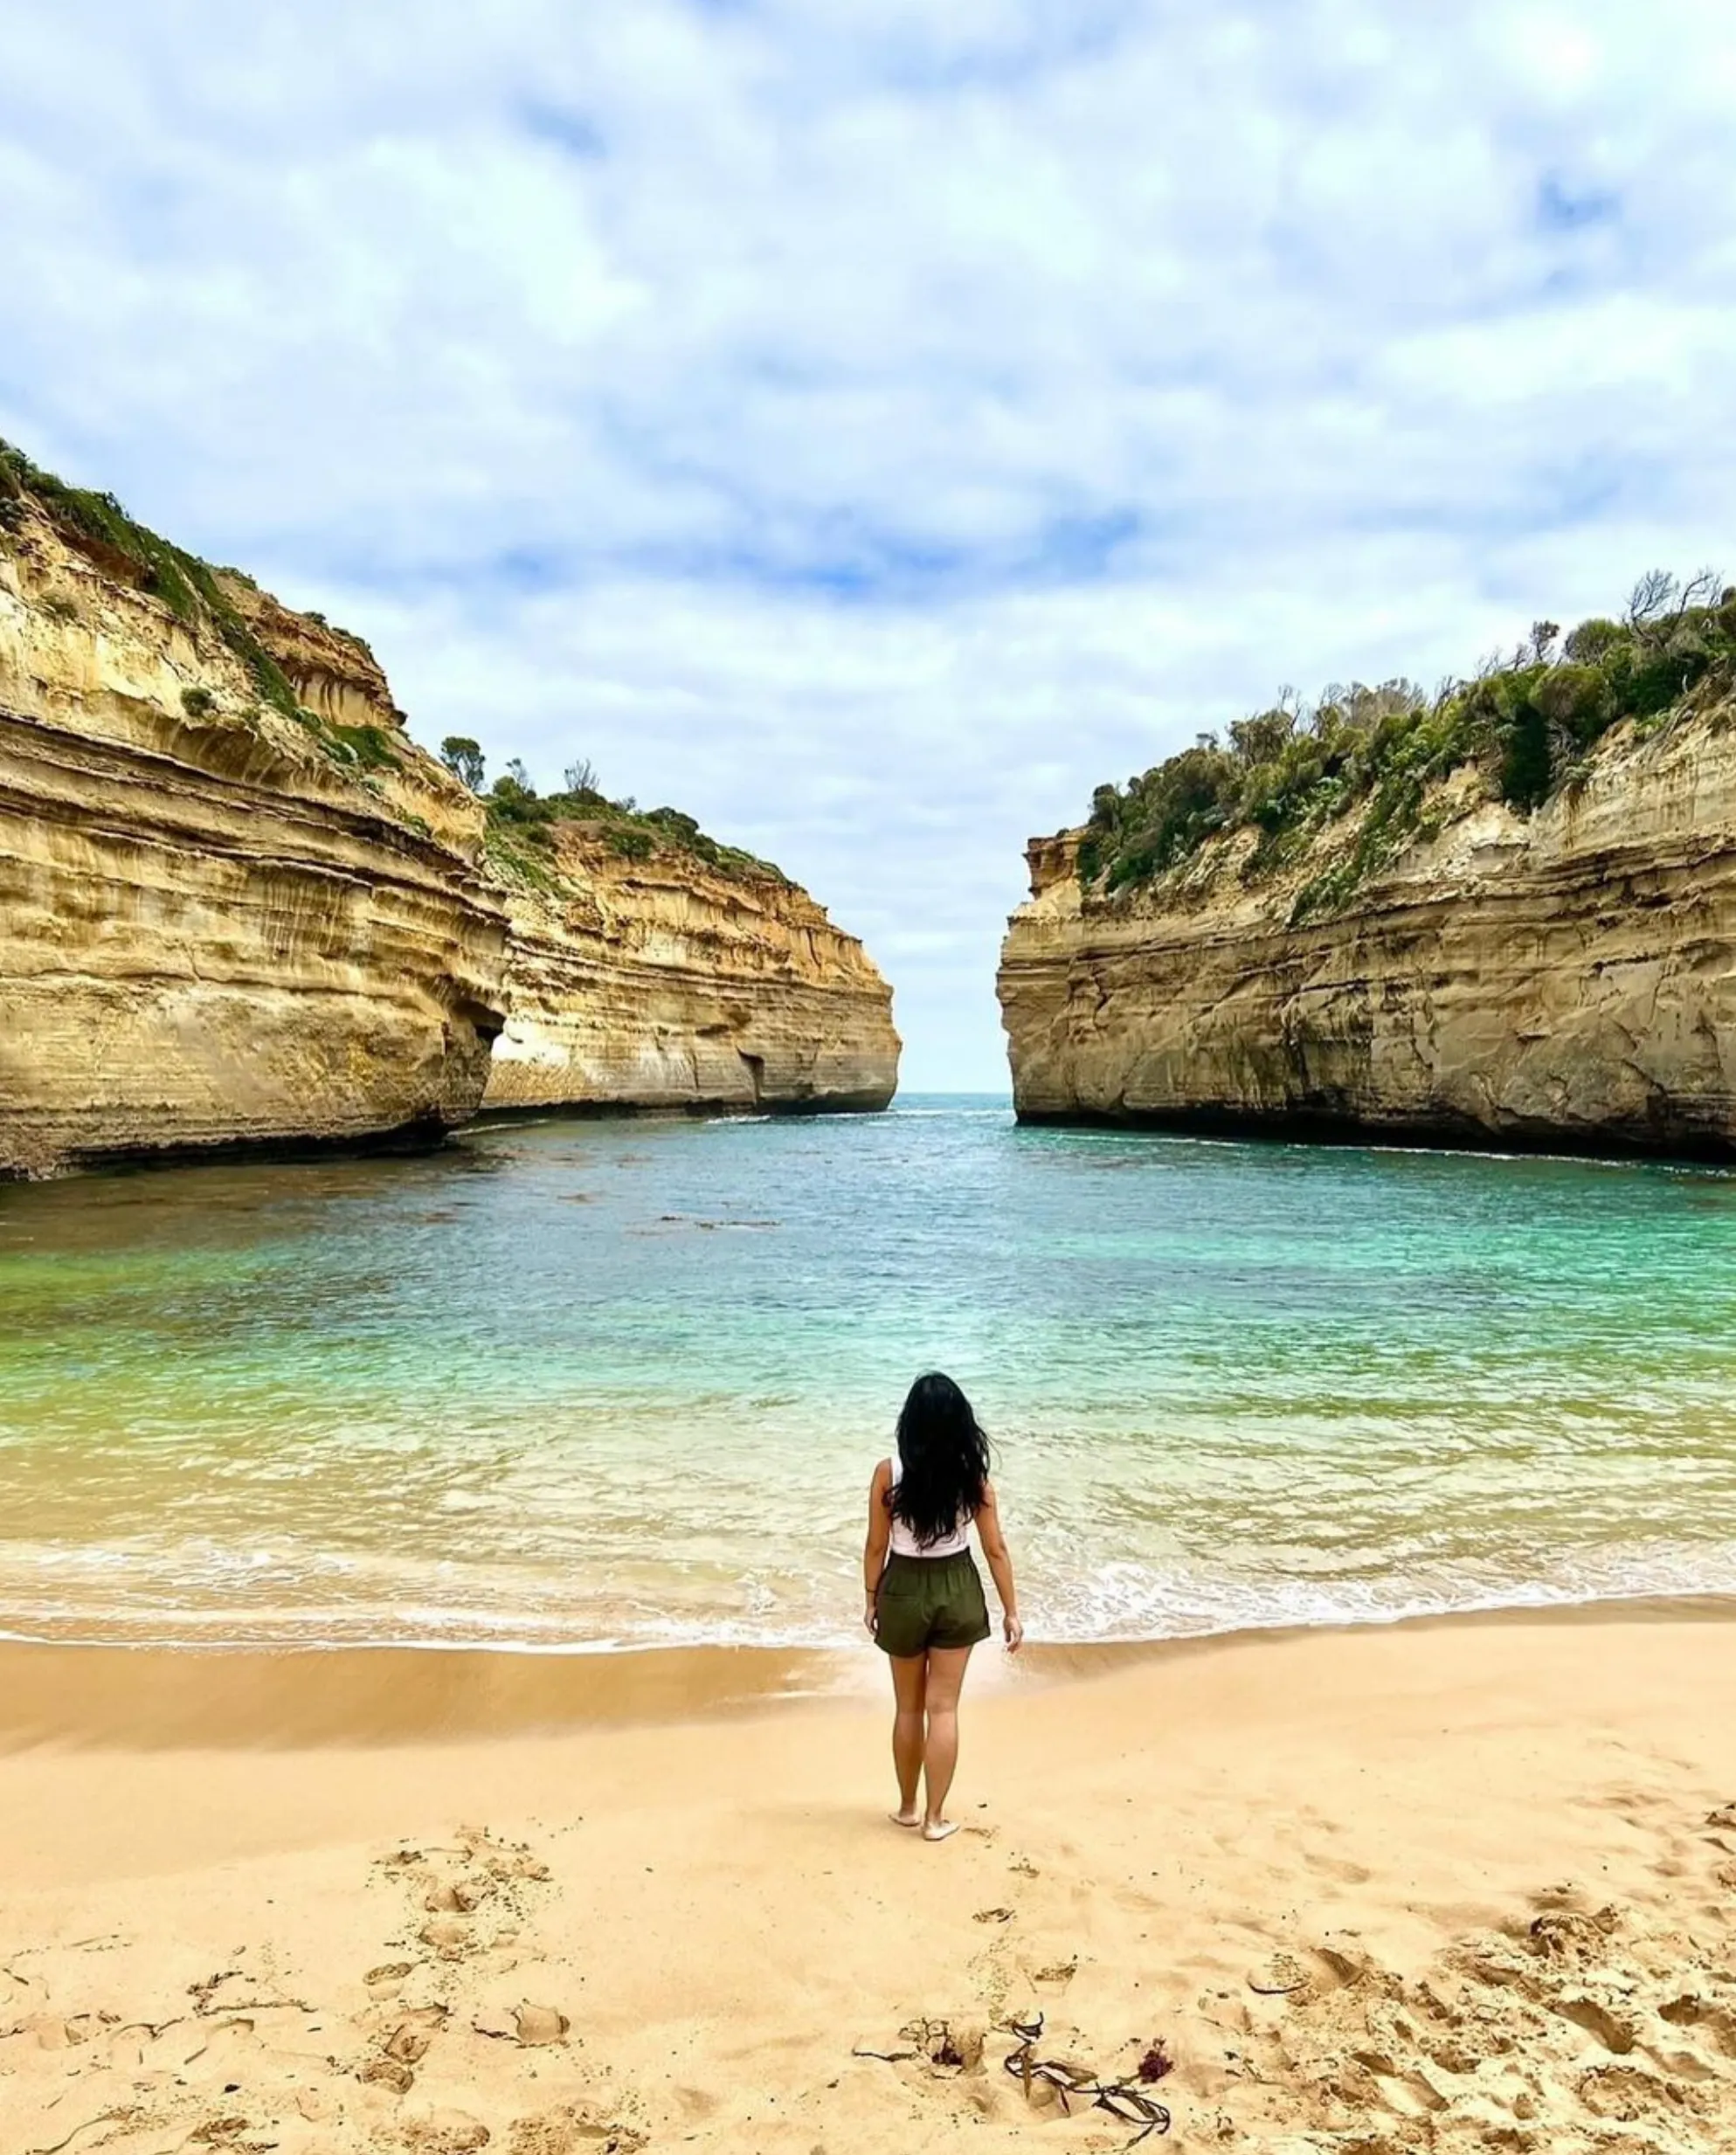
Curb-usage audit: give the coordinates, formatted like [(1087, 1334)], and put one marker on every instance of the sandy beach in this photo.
[(1460, 1885)]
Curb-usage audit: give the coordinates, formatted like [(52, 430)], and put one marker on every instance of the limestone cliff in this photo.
[(666, 981), (1562, 978), (237, 902)]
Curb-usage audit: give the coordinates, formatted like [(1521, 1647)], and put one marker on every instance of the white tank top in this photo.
[(904, 1542)]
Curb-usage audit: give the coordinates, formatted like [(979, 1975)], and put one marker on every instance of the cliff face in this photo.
[(1562, 980), (662, 982), (238, 904), (218, 923)]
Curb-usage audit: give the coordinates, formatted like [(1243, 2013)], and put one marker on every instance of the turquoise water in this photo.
[(612, 1383)]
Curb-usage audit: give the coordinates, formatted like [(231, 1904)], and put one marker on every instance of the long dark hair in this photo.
[(942, 1459)]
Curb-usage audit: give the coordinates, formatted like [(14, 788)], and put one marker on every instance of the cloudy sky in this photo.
[(869, 424)]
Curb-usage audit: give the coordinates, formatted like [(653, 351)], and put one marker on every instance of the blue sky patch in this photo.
[(1562, 208)]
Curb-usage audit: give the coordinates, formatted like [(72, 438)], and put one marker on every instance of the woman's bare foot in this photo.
[(912, 1817), (938, 1829)]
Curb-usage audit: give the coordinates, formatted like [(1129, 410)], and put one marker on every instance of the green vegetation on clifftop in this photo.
[(97, 526), (521, 823), (1527, 722)]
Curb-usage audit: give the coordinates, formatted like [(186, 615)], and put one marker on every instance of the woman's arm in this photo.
[(1000, 1566), (879, 1534)]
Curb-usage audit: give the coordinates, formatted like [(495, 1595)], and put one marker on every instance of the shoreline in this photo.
[(1455, 1883), (104, 1696)]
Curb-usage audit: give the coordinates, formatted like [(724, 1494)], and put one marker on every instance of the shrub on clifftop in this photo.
[(1526, 722), (463, 757), (519, 816), (97, 526)]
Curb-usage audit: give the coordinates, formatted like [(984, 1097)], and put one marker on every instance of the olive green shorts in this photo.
[(929, 1601)]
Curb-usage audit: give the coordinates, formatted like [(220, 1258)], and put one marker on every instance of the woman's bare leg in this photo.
[(909, 1688), (947, 1667)]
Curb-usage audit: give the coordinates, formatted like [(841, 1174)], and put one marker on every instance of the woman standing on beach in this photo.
[(925, 1607)]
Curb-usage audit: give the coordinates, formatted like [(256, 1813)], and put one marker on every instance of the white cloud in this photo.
[(869, 427)]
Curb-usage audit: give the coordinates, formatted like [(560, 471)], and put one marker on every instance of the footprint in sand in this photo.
[(409, 2042), (530, 2026), (1583, 2011), (444, 2132), (1629, 2096), (1617, 2036), (461, 1896), (1691, 2011), (1278, 1976), (386, 2073), (451, 1941), (473, 1895), (472, 1898), (573, 2129), (1406, 2092), (537, 2025), (1569, 1936)]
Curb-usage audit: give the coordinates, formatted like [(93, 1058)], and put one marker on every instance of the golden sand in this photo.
[(1460, 1886)]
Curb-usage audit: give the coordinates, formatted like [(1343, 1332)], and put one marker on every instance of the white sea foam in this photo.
[(1118, 1603), (435, 1403)]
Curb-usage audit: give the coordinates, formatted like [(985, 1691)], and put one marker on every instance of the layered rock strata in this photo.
[(239, 905), (1560, 981), (665, 983), (218, 923)]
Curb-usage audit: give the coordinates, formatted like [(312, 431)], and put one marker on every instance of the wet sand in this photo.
[(1460, 1885), (85, 1695)]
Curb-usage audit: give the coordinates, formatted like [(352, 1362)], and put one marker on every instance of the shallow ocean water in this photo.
[(575, 1382)]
